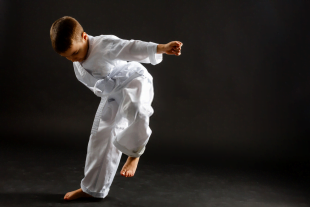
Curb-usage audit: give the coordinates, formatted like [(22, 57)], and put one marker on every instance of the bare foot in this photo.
[(76, 194), (130, 167)]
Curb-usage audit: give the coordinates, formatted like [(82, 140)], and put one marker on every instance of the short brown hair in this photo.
[(63, 31)]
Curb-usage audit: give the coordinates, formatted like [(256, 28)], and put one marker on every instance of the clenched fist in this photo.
[(171, 48)]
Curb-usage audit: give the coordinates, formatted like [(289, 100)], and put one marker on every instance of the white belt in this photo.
[(105, 94)]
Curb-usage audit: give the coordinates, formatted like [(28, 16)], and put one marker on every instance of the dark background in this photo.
[(241, 87)]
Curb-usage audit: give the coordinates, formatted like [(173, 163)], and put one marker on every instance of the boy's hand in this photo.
[(171, 48)]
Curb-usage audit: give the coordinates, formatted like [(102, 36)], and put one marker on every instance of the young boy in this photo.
[(121, 123)]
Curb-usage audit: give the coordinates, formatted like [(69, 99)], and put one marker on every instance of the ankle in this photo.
[(133, 158)]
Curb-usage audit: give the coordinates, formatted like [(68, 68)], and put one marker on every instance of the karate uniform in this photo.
[(121, 123)]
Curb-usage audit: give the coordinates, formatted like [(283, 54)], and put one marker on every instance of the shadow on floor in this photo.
[(46, 199)]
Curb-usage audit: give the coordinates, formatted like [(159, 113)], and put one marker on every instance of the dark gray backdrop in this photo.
[(240, 87)]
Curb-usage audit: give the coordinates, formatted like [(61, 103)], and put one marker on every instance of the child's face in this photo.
[(78, 50)]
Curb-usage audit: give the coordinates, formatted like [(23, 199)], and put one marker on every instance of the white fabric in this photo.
[(122, 120), (107, 51), (103, 155)]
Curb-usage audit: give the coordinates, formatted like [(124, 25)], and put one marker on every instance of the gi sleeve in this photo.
[(88, 80), (133, 50)]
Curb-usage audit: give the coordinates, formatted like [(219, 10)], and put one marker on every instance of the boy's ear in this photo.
[(84, 36)]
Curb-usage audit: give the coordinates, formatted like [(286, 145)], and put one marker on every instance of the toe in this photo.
[(66, 196), (128, 174)]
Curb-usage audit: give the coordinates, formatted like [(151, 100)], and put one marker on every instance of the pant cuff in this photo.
[(94, 194), (127, 151)]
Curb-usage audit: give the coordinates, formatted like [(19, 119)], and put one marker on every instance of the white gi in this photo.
[(122, 120)]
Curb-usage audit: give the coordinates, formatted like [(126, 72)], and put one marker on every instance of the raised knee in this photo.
[(142, 110)]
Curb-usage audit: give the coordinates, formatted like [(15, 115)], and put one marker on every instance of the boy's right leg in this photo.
[(102, 158)]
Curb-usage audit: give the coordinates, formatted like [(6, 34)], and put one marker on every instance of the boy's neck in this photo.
[(87, 52)]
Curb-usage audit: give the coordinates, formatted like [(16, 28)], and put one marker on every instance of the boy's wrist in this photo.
[(160, 49)]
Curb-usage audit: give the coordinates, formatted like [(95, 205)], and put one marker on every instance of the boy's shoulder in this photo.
[(105, 37), (103, 41), (99, 47)]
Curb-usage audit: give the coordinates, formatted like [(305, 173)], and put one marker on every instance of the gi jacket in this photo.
[(107, 53), (106, 70)]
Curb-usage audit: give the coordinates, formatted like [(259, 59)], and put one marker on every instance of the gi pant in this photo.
[(122, 126)]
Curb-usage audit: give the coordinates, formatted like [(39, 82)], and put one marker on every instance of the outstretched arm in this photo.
[(136, 50), (171, 48)]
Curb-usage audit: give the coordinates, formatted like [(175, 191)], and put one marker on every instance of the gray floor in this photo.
[(38, 175)]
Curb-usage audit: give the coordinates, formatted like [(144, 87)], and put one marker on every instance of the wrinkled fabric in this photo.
[(107, 51), (121, 123)]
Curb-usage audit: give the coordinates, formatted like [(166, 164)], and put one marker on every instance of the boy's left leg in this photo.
[(133, 116)]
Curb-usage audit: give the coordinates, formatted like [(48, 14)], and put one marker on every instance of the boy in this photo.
[(121, 123)]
